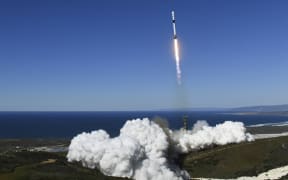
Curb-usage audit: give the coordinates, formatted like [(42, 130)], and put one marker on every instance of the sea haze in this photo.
[(69, 124)]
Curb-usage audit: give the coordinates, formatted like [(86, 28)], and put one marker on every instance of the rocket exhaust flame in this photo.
[(176, 49), (177, 59)]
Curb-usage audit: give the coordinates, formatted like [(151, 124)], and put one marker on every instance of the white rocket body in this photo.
[(174, 25)]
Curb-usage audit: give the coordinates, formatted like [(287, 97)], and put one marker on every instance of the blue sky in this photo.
[(117, 55)]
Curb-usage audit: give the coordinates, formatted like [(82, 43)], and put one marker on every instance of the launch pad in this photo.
[(185, 122)]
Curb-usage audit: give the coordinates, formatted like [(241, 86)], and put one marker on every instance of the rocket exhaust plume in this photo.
[(176, 49), (177, 59)]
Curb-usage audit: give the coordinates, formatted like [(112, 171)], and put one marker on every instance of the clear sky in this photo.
[(117, 54)]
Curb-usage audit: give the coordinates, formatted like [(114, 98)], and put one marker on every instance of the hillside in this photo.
[(27, 165), (272, 108), (245, 159)]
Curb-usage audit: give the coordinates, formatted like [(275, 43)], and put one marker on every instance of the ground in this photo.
[(18, 161), (244, 159), (44, 166)]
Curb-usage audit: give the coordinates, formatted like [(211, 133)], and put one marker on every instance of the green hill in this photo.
[(244, 159), (44, 166)]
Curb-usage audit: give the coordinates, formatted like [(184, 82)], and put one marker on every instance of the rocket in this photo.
[(176, 48), (174, 25)]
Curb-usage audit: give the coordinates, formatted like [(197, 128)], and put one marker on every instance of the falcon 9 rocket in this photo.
[(176, 49)]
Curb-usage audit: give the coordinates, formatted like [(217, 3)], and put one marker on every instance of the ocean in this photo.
[(69, 124)]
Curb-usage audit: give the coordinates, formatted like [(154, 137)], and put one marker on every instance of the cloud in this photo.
[(203, 135), (141, 150)]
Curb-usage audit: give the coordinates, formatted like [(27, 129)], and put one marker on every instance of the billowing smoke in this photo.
[(138, 152), (141, 150), (199, 125), (203, 135)]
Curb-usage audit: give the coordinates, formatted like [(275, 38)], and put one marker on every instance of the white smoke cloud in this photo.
[(203, 135), (199, 125), (141, 150)]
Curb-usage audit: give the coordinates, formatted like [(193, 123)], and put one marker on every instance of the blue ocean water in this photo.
[(69, 124)]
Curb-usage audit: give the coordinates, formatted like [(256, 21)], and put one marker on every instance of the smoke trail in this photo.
[(141, 151), (177, 59)]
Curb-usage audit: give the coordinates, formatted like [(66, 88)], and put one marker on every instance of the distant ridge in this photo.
[(266, 108), (256, 109), (196, 109)]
